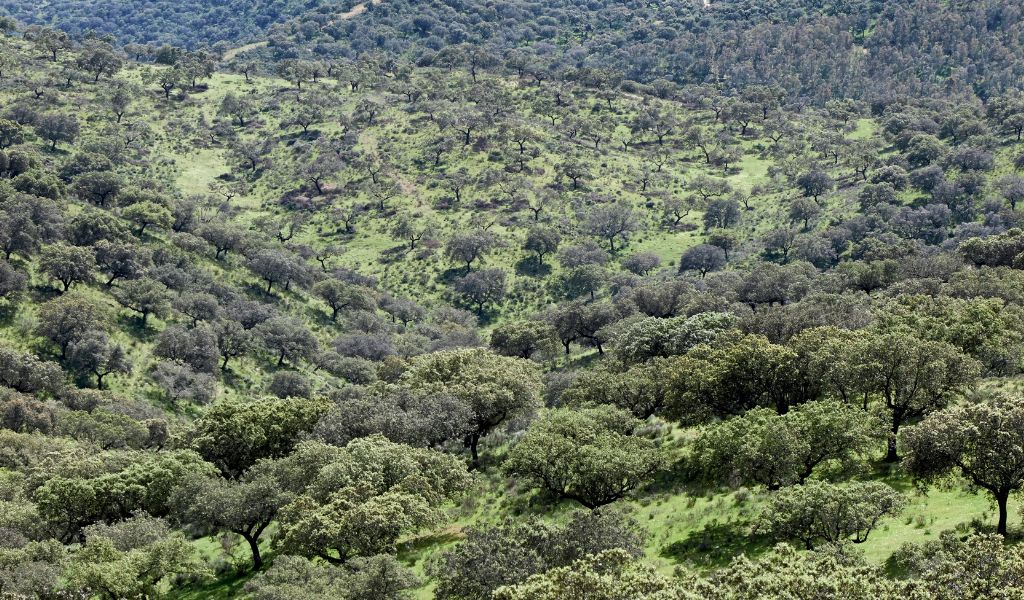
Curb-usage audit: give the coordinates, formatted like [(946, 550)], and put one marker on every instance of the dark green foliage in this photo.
[(495, 388), (818, 512), (763, 447), (702, 258), (590, 455), (132, 558), (290, 384), (67, 264), (510, 552), (839, 243), (399, 414), (244, 507), (367, 496), (173, 23), (126, 484), (380, 577), (286, 338), (341, 295), (194, 347), (57, 128), (181, 384), (609, 575), (235, 435), (731, 377), (980, 566), (145, 296), (94, 354), (980, 442), (655, 337), (28, 374), (524, 339), (67, 319), (483, 287)]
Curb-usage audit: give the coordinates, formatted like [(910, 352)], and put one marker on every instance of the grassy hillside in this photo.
[(334, 281)]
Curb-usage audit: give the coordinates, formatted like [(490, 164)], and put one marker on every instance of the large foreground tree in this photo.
[(982, 442), (496, 388), (590, 455)]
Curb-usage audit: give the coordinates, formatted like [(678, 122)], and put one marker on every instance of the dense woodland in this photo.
[(182, 23), (512, 301), (817, 50)]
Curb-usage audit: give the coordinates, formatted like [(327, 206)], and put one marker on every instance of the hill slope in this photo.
[(343, 326)]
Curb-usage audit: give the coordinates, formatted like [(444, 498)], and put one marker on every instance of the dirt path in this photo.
[(234, 52), (357, 10)]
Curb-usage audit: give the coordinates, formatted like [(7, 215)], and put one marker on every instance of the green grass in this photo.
[(864, 129), (198, 169), (699, 530)]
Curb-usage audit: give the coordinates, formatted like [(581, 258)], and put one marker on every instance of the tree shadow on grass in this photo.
[(530, 267), (489, 316), (716, 545), (229, 376), (7, 313), (131, 322), (42, 293), (411, 550), (450, 276), (679, 477), (231, 587)]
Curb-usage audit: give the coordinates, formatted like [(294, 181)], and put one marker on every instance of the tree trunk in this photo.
[(254, 547), (1001, 500), (891, 456), (473, 440)]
